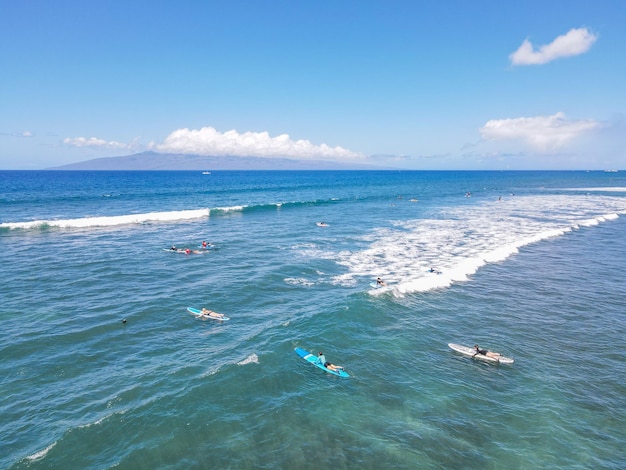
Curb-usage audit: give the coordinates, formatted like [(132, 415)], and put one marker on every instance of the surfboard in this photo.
[(375, 285), (182, 251), (467, 351), (312, 358), (199, 314)]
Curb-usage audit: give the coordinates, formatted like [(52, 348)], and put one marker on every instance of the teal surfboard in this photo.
[(312, 358)]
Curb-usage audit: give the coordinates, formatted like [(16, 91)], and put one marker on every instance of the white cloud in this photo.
[(209, 141), (94, 143), (544, 133), (575, 42)]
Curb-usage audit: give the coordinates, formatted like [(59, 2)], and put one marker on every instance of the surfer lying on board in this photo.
[(485, 352), (322, 360), (211, 313)]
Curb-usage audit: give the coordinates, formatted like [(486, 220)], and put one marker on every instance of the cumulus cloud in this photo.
[(94, 143), (543, 133), (209, 141), (575, 42)]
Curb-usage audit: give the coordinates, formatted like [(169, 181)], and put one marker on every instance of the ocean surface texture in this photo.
[(103, 367)]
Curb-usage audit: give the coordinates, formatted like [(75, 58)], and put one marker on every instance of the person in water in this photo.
[(205, 244), (211, 313), (322, 360), (173, 248), (486, 352), (380, 282)]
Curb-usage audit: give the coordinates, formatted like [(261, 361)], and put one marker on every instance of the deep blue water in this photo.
[(531, 266)]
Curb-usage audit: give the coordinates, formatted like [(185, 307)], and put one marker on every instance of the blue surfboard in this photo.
[(312, 358)]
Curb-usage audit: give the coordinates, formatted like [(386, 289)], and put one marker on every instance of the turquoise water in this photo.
[(532, 266)]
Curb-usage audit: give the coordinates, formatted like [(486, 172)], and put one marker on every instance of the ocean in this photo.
[(101, 365)]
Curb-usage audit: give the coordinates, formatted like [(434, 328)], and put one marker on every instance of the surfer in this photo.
[(486, 352), (380, 282), (173, 248), (322, 360), (211, 313)]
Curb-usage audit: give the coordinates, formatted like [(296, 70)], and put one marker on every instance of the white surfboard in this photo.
[(467, 351)]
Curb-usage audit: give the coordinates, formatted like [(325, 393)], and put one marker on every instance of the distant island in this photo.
[(146, 161)]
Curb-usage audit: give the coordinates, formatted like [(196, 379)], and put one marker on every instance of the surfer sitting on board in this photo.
[(322, 360), (211, 313), (485, 352)]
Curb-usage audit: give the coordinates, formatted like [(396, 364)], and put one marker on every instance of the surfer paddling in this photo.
[(211, 313), (322, 360), (486, 352)]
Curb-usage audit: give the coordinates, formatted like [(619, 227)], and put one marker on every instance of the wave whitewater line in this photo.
[(151, 217), (109, 221)]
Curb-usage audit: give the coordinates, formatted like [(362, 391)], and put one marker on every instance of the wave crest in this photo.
[(110, 221)]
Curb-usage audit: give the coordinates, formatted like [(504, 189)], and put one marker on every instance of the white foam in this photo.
[(616, 189), (230, 208), (298, 281), (110, 221), (251, 359), (41, 454), (460, 240)]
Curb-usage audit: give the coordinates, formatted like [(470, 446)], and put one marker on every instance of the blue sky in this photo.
[(409, 84)]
